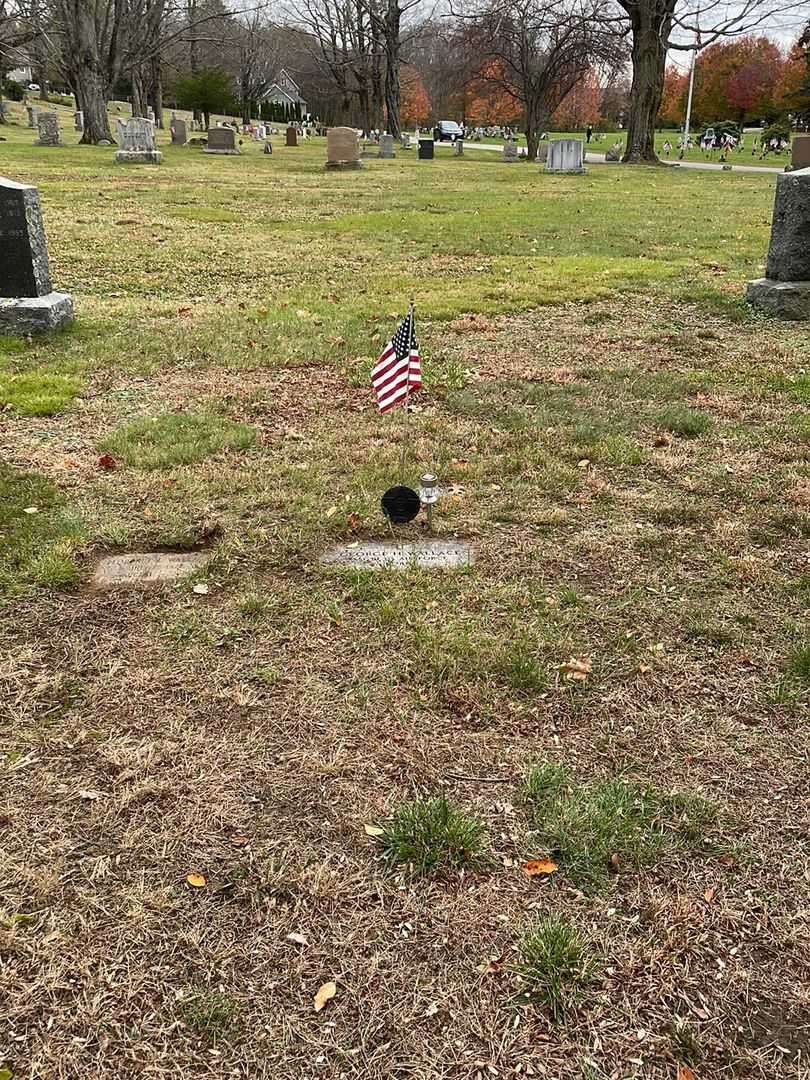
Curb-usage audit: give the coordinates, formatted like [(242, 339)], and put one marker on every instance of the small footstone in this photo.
[(427, 555), (147, 568)]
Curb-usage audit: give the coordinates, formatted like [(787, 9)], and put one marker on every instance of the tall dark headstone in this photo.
[(785, 290), (28, 303), (425, 151)]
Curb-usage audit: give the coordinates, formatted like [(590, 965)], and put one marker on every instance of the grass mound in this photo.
[(598, 829), (176, 439), (556, 966), (430, 835)]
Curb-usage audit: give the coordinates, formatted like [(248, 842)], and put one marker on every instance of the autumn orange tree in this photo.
[(580, 106), (415, 103), (486, 101), (738, 80), (673, 107)]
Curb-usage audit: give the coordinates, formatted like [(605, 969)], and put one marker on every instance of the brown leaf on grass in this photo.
[(353, 522), (107, 462), (538, 867), (685, 1073), (495, 967), (326, 993), (710, 894), (240, 841), (577, 670), (197, 881)]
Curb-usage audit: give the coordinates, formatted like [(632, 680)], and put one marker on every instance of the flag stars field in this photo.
[(276, 818)]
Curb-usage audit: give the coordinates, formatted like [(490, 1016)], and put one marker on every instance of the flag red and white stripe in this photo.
[(399, 368)]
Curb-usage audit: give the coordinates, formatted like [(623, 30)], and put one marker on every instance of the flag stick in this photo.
[(407, 400)]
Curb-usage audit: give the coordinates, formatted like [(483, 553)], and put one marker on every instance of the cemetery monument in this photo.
[(785, 289), (28, 304), (342, 149), (48, 127), (292, 137), (221, 140), (179, 133), (566, 156), (510, 152), (387, 147), (136, 144), (32, 115)]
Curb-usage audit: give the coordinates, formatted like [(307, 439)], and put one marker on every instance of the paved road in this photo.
[(599, 159)]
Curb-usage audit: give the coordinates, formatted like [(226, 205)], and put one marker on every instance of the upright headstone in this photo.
[(426, 149), (78, 120), (566, 156), (292, 137), (459, 148), (179, 133), (800, 153), (150, 114), (48, 127), (510, 154), (28, 303), (136, 145), (614, 154), (785, 290), (32, 115), (342, 149), (542, 153), (406, 142), (221, 140), (387, 146)]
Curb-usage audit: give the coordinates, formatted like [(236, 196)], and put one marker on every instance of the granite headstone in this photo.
[(785, 290), (221, 140), (800, 153), (48, 128), (28, 303), (179, 133), (292, 137), (342, 149), (566, 156), (425, 152), (32, 115), (387, 146), (136, 143)]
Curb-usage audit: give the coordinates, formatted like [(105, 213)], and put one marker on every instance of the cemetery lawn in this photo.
[(618, 686)]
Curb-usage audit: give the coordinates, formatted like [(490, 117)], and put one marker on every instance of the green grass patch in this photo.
[(799, 664), (37, 393), (211, 1014), (429, 835), (210, 214), (612, 826), (557, 966), (38, 536), (176, 439), (685, 422)]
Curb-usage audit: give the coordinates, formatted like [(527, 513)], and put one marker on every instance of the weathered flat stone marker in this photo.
[(147, 568), (425, 554), (136, 143), (342, 149), (28, 303), (221, 141)]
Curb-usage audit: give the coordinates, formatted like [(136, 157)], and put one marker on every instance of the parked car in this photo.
[(447, 131)]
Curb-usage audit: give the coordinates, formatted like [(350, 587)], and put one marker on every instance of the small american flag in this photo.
[(399, 369)]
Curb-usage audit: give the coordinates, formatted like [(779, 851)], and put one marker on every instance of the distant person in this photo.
[(589, 133)]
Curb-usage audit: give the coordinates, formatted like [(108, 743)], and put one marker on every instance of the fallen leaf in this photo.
[(31, 510), (710, 894), (374, 830), (90, 796), (577, 670), (685, 1073), (614, 861), (240, 841), (326, 993), (537, 867), (330, 512), (107, 462), (197, 881), (432, 1009), (200, 590), (494, 967), (353, 522), (297, 939)]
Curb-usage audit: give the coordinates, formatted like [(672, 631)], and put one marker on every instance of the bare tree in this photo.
[(536, 51), (257, 50), (18, 30), (660, 25)]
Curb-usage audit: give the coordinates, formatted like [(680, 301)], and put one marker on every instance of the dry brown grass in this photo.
[(146, 735)]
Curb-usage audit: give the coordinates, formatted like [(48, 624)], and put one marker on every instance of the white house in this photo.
[(284, 91)]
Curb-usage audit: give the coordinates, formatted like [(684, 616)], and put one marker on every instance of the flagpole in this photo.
[(407, 395)]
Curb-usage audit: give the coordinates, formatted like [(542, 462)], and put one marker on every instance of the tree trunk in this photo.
[(138, 96), (651, 22), (157, 92), (393, 45), (94, 107), (2, 112)]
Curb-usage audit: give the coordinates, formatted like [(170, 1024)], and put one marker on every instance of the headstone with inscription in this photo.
[(292, 137), (566, 156), (425, 150), (800, 152), (387, 146), (179, 133), (28, 304), (221, 140), (342, 149), (785, 290), (136, 143), (32, 115), (48, 128)]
